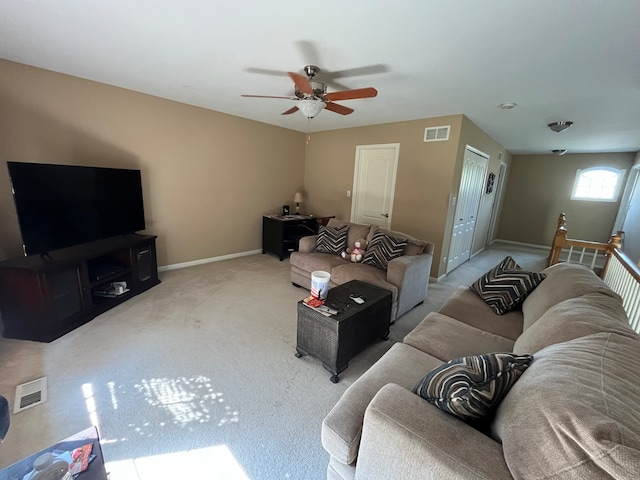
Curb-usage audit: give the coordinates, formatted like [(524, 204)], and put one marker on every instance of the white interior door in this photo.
[(474, 170), (374, 181)]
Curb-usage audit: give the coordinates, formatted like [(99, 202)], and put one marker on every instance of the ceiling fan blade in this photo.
[(341, 109), (302, 83), (358, 71), (269, 96), (309, 52), (290, 111), (266, 71), (351, 94)]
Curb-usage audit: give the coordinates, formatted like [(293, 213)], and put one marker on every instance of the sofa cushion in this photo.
[(347, 271), (332, 239), (310, 262), (575, 412), (356, 230), (446, 338), (382, 249), (506, 285), (563, 281), (414, 245), (465, 306), (575, 318), (471, 387)]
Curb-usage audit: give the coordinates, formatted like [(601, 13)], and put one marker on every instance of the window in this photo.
[(598, 184)]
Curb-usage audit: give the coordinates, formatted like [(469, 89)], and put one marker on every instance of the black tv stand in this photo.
[(44, 296)]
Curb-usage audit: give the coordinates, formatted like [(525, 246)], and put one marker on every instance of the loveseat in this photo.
[(573, 414), (407, 276)]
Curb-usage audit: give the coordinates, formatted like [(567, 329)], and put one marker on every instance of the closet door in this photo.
[(468, 202)]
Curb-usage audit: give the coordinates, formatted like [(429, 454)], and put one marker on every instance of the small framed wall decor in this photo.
[(490, 179)]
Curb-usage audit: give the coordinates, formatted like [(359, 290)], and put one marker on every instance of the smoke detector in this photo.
[(559, 152)]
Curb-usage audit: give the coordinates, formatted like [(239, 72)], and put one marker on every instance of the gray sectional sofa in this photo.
[(407, 277), (573, 414)]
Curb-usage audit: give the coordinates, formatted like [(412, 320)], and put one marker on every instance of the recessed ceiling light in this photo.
[(507, 105)]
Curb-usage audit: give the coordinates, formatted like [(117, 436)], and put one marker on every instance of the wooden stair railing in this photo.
[(618, 271)]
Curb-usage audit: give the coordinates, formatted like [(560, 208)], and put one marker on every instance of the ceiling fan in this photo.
[(311, 95)]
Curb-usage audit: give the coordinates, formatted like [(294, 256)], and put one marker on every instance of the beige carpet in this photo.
[(198, 375)]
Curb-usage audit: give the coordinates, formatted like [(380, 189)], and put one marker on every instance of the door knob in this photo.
[(386, 215)]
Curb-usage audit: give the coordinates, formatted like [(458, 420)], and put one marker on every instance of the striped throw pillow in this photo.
[(470, 388), (332, 239), (506, 285), (382, 249)]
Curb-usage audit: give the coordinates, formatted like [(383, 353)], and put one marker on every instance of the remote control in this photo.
[(324, 308)]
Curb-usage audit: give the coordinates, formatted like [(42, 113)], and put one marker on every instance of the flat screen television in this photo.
[(60, 206)]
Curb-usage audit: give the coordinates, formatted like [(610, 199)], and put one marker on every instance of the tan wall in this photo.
[(207, 177), (424, 176), (539, 190)]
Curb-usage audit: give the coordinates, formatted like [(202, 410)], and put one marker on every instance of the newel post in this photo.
[(558, 242), (614, 242)]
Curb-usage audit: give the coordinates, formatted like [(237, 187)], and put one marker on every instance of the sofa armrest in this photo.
[(404, 437), (410, 274), (341, 428), (307, 244)]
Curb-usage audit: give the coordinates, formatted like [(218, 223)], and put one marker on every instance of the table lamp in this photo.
[(298, 199)]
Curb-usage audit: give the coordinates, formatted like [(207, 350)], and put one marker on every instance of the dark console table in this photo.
[(280, 233), (336, 339), (42, 297)]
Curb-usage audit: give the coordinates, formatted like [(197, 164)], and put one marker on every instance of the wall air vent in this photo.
[(437, 134), (30, 394)]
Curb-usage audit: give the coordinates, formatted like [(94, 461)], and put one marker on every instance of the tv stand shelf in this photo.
[(43, 297)]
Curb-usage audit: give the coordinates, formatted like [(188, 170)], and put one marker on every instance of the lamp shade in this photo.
[(297, 197), (310, 107)]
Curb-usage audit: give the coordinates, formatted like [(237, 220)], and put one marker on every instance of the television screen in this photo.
[(63, 205)]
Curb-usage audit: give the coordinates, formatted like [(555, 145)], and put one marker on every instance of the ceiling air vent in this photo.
[(30, 394), (437, 134)]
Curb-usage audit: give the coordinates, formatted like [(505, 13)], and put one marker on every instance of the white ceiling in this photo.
[(557, 59)]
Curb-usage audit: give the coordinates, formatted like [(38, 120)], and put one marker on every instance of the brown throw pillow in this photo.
[(382, 249), (505, 286), (471, 387), (332, 239)]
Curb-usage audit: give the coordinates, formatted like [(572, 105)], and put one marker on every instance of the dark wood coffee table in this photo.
[(336, 339)]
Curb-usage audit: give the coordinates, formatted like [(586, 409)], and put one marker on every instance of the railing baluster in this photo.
[(619, 272)]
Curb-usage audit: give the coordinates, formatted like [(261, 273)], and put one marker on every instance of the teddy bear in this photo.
[(356, 253)]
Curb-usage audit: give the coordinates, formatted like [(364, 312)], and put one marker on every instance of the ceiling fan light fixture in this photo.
[(559, 126), (310, 107)]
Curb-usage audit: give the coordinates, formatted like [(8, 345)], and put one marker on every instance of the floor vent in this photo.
[(437, 134), (30, 394)]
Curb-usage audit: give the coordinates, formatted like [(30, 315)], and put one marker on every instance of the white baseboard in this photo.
[(528, 245), (202, 261)]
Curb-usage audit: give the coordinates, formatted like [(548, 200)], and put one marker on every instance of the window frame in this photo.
[(616, 193)]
